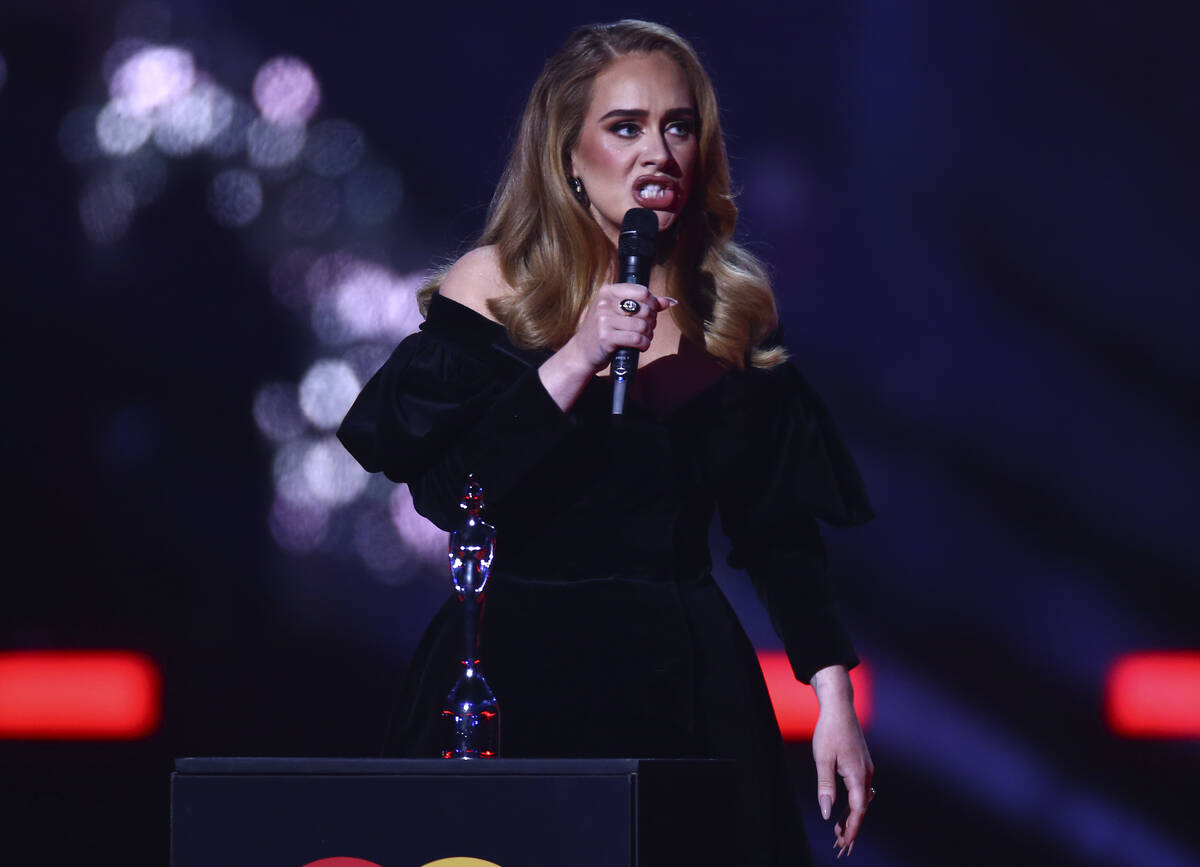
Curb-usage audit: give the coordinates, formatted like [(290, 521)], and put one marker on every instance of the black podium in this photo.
[(284, 812)]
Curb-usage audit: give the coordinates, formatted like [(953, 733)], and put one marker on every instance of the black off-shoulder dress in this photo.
[(604, 632)]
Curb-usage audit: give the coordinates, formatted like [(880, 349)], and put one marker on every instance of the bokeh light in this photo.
[(310, 207), (366, 358), (286, 91), (373, 302), (331, 475), (235, 198), (270, 145), (335, 147), (190, 122), (106, 209), (377, 543), (297, 527), (3, 71), (163, 104), (277, 412), (230, 139), (119, 133), (152, 77), (421, 535), (373, 193), (326, 392)]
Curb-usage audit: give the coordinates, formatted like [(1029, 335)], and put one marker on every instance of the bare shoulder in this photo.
[(475, 279)]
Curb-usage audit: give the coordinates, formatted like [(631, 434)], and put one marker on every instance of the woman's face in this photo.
[(638, 146)]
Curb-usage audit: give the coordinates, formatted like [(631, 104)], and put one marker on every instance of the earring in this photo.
[(578, 191)]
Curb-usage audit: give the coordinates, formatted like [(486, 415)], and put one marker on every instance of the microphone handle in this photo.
[(625, 360)]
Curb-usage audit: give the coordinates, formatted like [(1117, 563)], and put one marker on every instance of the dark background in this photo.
[(981, 220)]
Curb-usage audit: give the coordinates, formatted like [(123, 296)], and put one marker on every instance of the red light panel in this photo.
[(78, 695), (1155, 695), (796, 705)]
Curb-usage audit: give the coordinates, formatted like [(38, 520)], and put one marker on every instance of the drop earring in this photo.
[(578, 191)]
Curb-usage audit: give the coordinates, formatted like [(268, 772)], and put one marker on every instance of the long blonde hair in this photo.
[(555, 255)]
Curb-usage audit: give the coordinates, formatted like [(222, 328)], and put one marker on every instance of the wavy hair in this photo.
[(552, 251)]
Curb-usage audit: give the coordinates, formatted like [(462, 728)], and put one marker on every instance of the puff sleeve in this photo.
[(789, 468), (453, 400)]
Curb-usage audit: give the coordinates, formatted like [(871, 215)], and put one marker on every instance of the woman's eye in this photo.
[(681, 128), (625, 129)]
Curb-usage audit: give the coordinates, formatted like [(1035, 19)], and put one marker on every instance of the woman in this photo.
[(605, 634)]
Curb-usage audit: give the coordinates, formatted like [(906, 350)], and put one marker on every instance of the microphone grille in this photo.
[(639, 230)]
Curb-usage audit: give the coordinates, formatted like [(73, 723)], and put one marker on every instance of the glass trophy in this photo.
[(471, 715)]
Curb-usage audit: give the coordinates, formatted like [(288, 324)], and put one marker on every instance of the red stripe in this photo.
[(1155, 695), (796, 705), (78, 695)]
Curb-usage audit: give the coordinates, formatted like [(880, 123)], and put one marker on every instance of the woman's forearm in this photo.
[(565, 374)]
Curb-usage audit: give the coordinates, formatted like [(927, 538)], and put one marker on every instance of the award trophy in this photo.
[(471, 715)]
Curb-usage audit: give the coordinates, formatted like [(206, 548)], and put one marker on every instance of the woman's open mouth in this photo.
[(655, 193)]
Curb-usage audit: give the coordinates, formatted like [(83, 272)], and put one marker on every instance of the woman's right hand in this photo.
[(604, 329)]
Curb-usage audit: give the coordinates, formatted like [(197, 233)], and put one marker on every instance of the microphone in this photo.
[(635, 254)]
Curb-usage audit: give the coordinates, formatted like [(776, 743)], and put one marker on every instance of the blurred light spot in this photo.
[(326, 392), (286, 91), (335, 147), (795, 704), (78, 695), (119, 53), (106, 209), (332, 476), (277, 412), (151, 78), (236, 115), (119, 133), (1155, 695), (289, 275), (235, 197), (377, 542), (146, 21), (309, 207), (373, 193), (271, 146), (326, 271), (190, 122), (146, 174), (77, 134), (418, 533), (3, 71), (366, 358), (298, 527), (287, 469), (374, 302)]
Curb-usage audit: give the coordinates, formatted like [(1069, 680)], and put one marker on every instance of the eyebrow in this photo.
[(641, 112)]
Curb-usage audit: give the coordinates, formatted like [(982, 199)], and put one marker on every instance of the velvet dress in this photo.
[(604, 634)]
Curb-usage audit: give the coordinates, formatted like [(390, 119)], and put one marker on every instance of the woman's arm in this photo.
[(840, 749)]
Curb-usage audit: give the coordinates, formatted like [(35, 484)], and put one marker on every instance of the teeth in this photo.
[(653, 190)]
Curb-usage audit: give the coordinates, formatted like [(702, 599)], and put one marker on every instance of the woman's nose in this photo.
[(657, 150)]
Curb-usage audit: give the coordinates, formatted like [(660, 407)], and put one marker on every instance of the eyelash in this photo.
[(680, 128)]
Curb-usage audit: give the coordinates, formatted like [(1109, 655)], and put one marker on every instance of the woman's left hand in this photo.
[(839, 749)]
